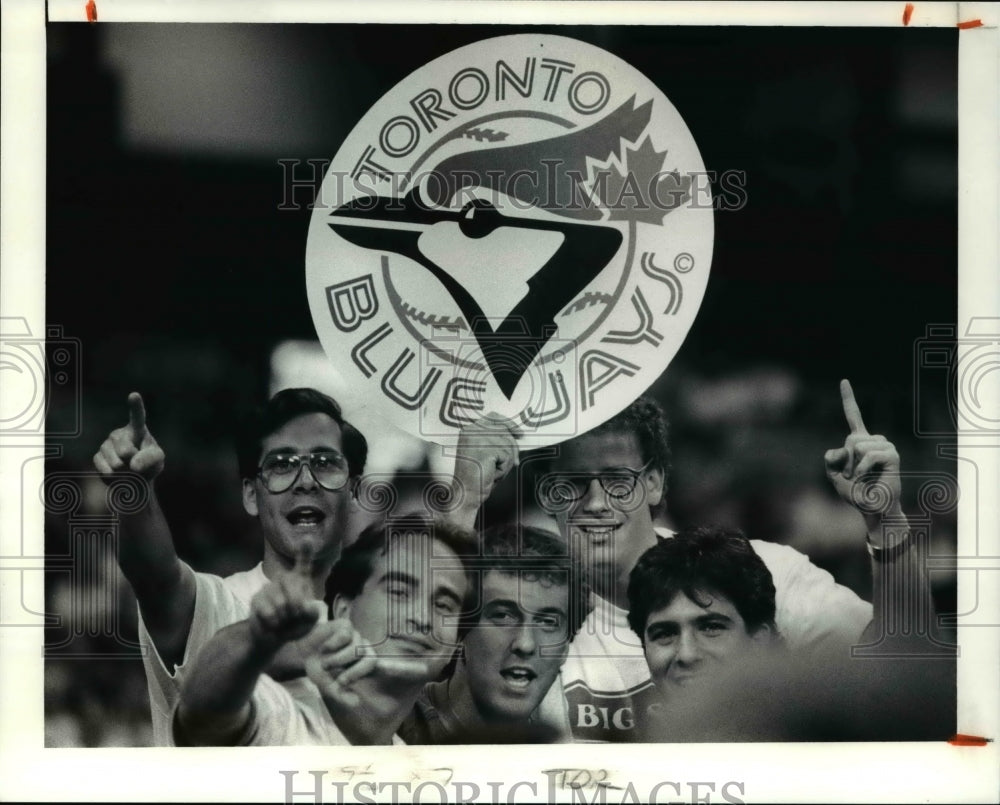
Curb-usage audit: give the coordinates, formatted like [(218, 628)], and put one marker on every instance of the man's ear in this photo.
[(654, 486), (250, 497), (340, 607)]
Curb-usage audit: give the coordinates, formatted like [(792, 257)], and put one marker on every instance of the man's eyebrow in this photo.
[(512, 604), (274, 451), (558, 611), (713, 617), (398, 576), (444, 589), (288, 449), (502, 602), (598, 470)]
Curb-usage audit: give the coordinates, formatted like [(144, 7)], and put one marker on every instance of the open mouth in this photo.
[(599, 533), (305, 517), (518, 677)]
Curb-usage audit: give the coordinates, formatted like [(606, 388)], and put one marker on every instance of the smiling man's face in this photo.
[(606, 533), (514, 653), (409, 605), (305, 514), (687, 643)]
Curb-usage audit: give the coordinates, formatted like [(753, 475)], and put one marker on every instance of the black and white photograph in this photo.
[(387, 394)]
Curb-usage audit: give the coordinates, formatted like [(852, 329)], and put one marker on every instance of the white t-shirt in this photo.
[(218, 602), (279, 719), (606, 681)]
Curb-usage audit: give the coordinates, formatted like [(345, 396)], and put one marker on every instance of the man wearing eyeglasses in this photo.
[(297, 459), (603, 488)]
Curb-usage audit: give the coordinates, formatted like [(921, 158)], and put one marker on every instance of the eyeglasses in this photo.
[(280, 471), (558, 492)]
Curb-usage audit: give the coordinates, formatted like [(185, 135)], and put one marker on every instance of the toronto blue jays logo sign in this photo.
[(517, 228)]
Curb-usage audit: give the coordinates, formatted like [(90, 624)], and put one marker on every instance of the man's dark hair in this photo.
[(282, 408), (348, 576), (535, 555), (702, 562), (645, 418)]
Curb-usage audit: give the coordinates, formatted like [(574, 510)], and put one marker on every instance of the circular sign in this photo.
[(522, 227)]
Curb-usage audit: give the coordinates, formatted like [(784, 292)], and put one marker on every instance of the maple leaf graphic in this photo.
[(643, 191)]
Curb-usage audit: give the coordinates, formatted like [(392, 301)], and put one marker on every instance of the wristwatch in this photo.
[(880, 554)]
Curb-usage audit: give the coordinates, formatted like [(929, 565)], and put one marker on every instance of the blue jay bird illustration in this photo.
[(395, 225)]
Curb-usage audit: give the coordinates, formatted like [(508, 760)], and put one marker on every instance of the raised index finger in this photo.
[(851, 410), (297, 580), (137, 417), (305, 555)]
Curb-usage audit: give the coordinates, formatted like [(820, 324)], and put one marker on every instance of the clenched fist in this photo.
[(487, 451)]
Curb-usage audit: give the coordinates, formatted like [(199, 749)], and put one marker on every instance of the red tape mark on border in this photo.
[(967, 740), (907, 13), (970, 24), (91, 11)]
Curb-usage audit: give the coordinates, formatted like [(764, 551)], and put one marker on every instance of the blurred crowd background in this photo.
[(169, 259)]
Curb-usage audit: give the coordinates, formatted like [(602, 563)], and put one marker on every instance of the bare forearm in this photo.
[(464, 517), (487, 450), (146, 552), (287, 663), (901, 592), (215, 699), (164, 588)]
